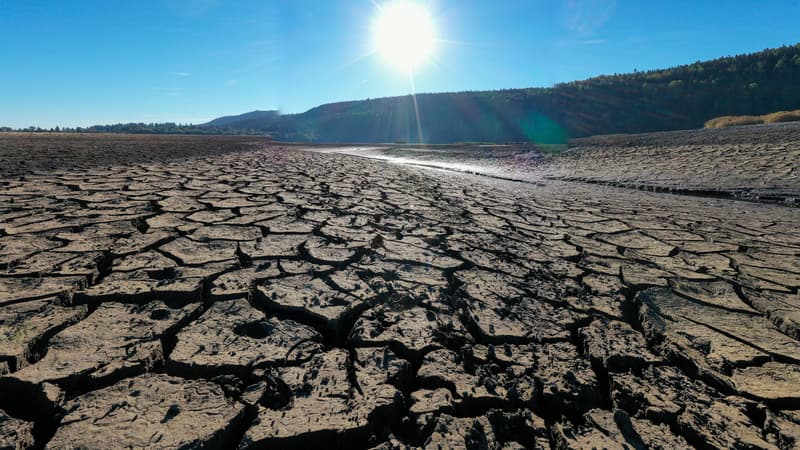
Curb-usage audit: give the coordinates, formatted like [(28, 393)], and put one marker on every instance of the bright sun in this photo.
[(404, 34)]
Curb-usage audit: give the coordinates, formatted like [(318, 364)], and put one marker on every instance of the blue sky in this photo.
[(89, 62)]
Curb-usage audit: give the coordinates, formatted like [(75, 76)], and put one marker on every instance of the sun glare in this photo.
[(404, 34)]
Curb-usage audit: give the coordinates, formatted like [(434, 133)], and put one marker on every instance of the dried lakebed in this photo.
[(264, 297)]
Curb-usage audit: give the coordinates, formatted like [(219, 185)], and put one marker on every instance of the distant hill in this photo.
[(676, 98), (243, 120)]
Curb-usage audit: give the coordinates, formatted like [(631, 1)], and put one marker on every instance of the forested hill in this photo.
[(681, 97), (676, 98)]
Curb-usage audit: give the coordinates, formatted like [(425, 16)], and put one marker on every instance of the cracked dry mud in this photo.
[(230, 293), (755, 162)]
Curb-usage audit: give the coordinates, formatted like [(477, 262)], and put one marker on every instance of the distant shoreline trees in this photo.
[(141, 128)]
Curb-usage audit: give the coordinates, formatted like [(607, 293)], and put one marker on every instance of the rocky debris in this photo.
[(233, 337), (326, 408), (115, 341), (150, 411), (15, 434), (26, 326)]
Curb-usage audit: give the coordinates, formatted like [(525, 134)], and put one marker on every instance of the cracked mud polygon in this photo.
[(196, 292)]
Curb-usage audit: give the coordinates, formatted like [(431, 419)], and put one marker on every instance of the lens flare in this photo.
[(404, 34)]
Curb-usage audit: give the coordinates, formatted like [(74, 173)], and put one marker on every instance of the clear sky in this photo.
[(89, 62)]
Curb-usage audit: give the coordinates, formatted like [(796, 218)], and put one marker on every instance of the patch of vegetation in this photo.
[(733, 121), (783, 116)]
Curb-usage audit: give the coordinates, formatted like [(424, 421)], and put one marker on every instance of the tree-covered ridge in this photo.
[(682, 97), (685, 96), (676, 98)]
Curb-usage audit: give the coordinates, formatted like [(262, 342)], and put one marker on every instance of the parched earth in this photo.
[(260, 296), (751, 162)]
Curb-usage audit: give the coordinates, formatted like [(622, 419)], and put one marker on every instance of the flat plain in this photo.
[(210, 292)]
